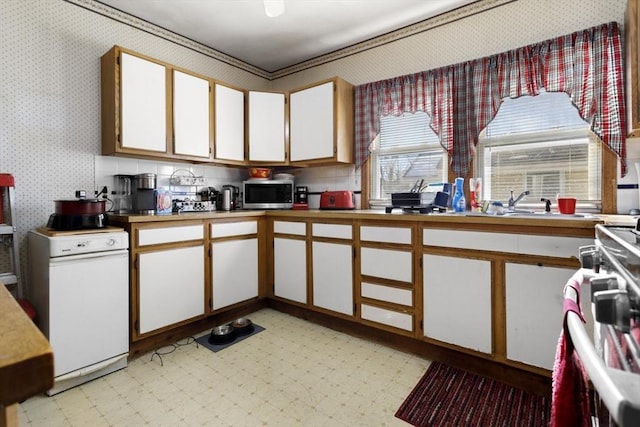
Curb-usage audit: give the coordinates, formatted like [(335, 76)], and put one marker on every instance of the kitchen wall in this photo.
[(50, 86), (502, 28)]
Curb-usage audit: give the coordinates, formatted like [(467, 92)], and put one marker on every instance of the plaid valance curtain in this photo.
[(462, 99)]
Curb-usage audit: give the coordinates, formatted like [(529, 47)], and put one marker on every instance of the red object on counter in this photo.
[(567, 205), (337, 200), (300, 206), (80, 207)]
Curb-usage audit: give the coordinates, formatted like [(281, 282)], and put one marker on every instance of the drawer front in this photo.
[(387, 317), (226, 229), (386, 263), (561, 247), (385, 234), (155, 236), (285, 227), (336, 231), (387, 293)]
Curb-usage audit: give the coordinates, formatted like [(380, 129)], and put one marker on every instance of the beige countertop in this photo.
[(558, 221), (26, 358)]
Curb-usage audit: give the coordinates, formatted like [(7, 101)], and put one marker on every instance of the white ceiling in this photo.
[(307, 28)]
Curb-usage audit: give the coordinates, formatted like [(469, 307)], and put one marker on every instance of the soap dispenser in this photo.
[(459, 202)]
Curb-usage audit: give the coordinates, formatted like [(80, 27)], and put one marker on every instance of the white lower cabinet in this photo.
[(290, 269), (333, 277), (457, 301), (534, 312), (234, 268), (168, 292)]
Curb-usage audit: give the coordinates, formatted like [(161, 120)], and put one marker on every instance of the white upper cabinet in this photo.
[(321, 123), (267, 127), (191, 115), (229, 123), (143, 101)]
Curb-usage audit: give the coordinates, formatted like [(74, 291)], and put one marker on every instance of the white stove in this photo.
[(612, 359)]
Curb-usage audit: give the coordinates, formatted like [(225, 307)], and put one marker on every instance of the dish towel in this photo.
[(570, 394)]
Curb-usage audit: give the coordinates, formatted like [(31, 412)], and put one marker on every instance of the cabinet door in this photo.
[(168, 292), (143, 97), (234, 271), (191, 115), (311, 123), (266, 127), (534, 312), (229, 123), (457, 301), (333, 277), (290, 269)]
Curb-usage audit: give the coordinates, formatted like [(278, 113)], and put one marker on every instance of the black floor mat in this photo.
[(204, 340)]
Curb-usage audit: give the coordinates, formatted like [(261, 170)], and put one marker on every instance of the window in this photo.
[(539, 143), (405, 152)]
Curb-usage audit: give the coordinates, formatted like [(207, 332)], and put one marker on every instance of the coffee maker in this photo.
[(143, 193), (122, 194), (301, 198)]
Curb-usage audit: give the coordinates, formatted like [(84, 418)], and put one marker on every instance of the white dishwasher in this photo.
[(79, 285)]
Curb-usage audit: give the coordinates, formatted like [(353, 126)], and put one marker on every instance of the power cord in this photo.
[(168, 349)]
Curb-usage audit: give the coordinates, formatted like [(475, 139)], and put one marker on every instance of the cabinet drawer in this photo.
[(561, 247), (385, 263), (154, 236), (386, 293), (387, 317), (285, 227), (226, 229), (385, 234), (337, 231)]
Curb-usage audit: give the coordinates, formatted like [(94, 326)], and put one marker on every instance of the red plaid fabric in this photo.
[(462, 99)]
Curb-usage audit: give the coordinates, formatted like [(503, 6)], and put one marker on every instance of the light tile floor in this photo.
[(294, 373)]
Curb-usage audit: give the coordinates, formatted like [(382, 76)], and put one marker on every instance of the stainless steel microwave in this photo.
[(267, 194)]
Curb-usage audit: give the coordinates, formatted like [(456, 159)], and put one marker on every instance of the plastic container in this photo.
[(459, 203), (566, 205)]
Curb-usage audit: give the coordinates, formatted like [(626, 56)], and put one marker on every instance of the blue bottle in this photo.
[(459, 203)]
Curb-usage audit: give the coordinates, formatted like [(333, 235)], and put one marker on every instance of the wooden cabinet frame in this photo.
[(632, 58)]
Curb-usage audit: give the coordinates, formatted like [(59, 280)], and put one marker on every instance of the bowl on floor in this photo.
[(222, 334), (242, 326)]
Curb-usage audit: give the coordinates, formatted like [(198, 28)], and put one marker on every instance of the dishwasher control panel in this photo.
[(77, 244)]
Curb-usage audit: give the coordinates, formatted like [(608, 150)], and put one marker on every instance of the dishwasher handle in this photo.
[(91, 255)]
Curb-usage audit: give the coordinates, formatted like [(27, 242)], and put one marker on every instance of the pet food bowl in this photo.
[(242, 326), (222, 334)]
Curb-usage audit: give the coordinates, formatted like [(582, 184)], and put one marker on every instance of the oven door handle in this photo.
[(618, 390)]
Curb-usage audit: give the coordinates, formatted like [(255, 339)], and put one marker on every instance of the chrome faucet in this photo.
[(512, 202)]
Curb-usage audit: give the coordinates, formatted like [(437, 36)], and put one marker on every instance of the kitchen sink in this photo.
[(547, 215), (531, 214)]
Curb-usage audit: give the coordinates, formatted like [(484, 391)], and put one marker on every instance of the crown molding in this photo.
[(408, 31)]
